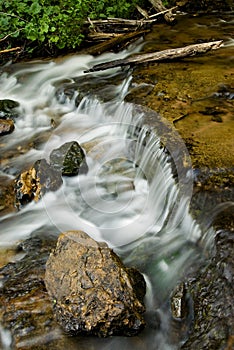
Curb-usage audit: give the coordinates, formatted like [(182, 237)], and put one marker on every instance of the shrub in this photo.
[(54, 23)]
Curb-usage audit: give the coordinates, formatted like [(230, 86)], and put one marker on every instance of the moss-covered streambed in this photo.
[(196, 95)]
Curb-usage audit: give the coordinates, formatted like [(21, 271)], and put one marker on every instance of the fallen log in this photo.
[(113, 43), (97, 37), (169, 54)]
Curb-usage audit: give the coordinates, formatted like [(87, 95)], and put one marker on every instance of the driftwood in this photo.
[(143, 12), (100, 36), (164, 55), (113, 43), (159, 7), (112, 33), (129, 24)]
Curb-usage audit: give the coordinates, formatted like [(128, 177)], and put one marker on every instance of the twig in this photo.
[(5, 37), (163, 12), (10, 50), (12, 15)]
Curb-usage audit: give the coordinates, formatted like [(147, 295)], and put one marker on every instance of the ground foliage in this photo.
[(55, 24)]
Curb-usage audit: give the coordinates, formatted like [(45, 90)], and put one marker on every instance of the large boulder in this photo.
[(33, 183), (69, 159), (93, 292)]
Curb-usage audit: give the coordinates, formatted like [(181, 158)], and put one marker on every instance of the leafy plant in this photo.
[(55, 24)]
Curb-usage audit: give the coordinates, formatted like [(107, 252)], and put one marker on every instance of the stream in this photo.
[(134, 196)]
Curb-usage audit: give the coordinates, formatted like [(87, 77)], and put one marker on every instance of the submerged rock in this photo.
[(6, 127), (69, 159), (89, 85), (33, 183), (93, 292)]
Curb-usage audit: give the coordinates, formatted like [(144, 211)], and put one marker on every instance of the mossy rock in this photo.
[(8, 109), (69, 159)]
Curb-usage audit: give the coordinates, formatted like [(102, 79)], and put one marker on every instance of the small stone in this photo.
[(33, 183), (8, 109), (94, 293), (178, 302), (217, 119), (69, 159), (6, 127)]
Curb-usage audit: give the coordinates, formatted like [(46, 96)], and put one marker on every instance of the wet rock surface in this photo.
[(25, 307), (179, 302), (6, 127), (213, 190), (69, 159), (7, 198), (8, 109), (94, 293), (33, 183), (212, 292), (95, 86)]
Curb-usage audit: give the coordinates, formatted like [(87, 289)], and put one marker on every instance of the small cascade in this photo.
[(129, 198)]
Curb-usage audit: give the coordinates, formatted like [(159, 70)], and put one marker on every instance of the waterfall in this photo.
[(129, 198)]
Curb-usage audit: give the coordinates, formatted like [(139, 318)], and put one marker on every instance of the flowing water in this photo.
[(131, 197)]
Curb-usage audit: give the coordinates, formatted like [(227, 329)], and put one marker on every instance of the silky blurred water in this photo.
[(130, 196)]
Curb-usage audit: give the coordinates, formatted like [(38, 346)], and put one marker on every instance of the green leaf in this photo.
[(44, 27), (35, 8)]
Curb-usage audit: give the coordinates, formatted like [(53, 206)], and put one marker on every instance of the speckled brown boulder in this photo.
[(93, 292)]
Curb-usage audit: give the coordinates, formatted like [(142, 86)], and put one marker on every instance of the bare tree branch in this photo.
[(10, 50), (10, 34), (12, 15)]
